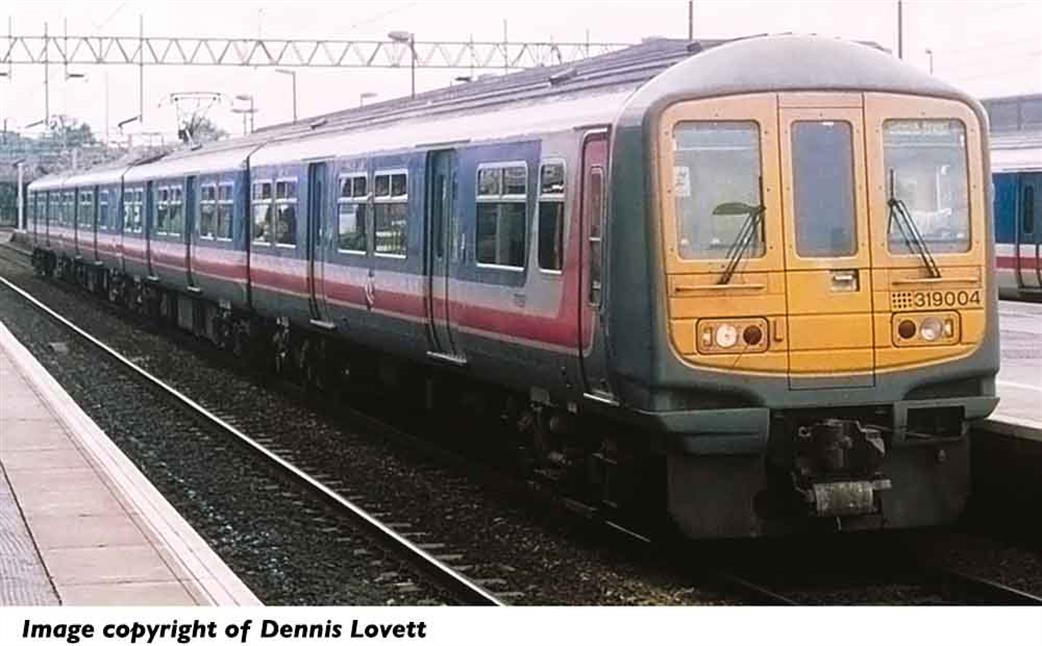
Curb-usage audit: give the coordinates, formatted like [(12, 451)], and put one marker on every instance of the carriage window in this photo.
[(286, 212), (823, 189), (225, 202), (70, 209), (85, 218), (262, 211), (103, 210), (162, 197), (390, 213), (133, 204), (128, 210), (594, 205), (382, 185), (490, 182), (501, 216), (207, 210), (1027, 211), (715, 163), (551, 216), (351, 214), (174, 222), (927, 159)]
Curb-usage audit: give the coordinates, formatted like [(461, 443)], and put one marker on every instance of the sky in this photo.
[(986, 48)]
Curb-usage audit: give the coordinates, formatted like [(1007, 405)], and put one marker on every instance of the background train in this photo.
[(748, 283), (1018, 227), (1016, 164)]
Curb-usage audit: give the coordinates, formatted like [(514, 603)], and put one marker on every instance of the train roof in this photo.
[(1009, 160), (191, 162), (590, 89), (788, 63), (623, 85), (47, 182)]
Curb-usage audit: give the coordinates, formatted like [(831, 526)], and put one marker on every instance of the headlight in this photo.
[(926, 329), (726, 335), (931, 329)]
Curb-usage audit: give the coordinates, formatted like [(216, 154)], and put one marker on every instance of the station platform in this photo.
[(79, 523), (1019, 382)]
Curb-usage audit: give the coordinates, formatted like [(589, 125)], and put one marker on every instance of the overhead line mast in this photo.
[(290, 52)]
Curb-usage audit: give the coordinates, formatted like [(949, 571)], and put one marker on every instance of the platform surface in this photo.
[(1019, 383), (79, 524)]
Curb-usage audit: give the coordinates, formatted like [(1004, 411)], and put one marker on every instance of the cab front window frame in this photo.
[(724, 164), (932, 184)]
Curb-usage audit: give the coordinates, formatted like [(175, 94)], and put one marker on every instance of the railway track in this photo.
[(431, 568), (500, 536), (909, 584)]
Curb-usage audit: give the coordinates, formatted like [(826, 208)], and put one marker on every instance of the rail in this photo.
[(457, 584)]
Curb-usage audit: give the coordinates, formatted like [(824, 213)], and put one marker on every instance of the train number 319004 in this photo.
[(933, 299)]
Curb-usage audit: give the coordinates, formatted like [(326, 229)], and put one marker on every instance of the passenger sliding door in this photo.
[(827, 248), (316, 247), (440, 263), (190, 230), (1029, 231)]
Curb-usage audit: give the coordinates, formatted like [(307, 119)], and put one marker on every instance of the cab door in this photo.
[(827, 250), (592, 209)]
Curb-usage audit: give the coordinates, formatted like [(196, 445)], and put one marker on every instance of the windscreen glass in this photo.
[(926, 167), (716, 163), (823, 189)]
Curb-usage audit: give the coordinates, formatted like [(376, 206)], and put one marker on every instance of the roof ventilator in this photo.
[(563, 76)]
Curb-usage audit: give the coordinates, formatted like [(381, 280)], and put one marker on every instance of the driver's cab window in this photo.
[(716, 186)]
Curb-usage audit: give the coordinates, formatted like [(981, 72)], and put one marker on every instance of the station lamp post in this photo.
[(20, 222), (245, 111), (410, 38), (292, 74), (929, 52)]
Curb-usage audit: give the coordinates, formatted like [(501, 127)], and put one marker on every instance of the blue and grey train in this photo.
[(1017, 182), (749, 284)]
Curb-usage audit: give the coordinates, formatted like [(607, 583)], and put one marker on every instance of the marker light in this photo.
[(752, 335), (726, 335), (906, 329), (931, 329)]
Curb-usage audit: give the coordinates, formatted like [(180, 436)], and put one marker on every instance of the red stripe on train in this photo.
[(1010, 262)]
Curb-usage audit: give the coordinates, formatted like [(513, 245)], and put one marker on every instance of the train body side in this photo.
[(1018, 232)]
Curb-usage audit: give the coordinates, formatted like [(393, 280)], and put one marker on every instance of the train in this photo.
[(745, 286), (1017, 185)]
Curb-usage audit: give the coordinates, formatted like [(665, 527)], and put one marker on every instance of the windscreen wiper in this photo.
[(750, 227), (909, 231), (741, 243)]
